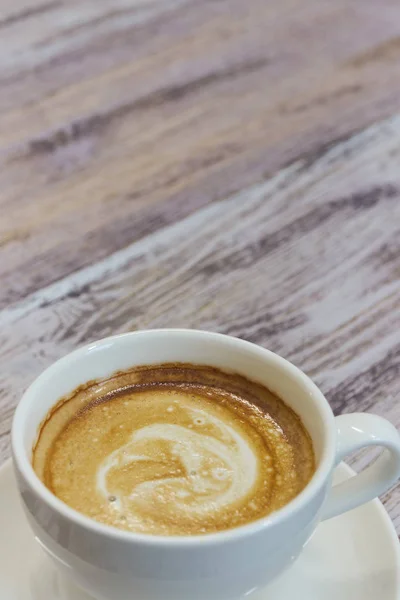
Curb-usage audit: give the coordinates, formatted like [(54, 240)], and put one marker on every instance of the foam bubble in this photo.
[(182, 494), (221, 474)]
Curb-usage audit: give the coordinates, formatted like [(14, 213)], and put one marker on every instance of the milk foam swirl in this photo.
[(207, 473), (173, 449)]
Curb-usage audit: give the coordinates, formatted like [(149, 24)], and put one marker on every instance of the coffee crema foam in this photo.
[(174, 449)]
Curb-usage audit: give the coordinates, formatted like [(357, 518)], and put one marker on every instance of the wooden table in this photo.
[(226, 165)]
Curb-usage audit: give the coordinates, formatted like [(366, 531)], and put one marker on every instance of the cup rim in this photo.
[(24, 465)]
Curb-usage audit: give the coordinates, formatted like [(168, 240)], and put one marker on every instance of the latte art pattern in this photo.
[(173, 450), (213, 473)]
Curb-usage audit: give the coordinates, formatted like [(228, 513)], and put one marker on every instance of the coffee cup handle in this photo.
[(356, 431)]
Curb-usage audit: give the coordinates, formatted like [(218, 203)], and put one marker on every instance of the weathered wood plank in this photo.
[(306, 263), (118, 117)]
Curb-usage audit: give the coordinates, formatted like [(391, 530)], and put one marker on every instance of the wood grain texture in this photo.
[(306, 263), (119, 117)]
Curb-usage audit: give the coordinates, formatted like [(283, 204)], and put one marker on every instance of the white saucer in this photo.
[(352, 557)]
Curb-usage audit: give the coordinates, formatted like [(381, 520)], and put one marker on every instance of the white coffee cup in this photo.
[(118, 565)]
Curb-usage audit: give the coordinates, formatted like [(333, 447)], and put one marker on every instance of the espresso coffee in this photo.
[(174, 449)]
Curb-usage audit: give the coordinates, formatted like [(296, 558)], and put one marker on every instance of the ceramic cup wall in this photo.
[(117, 565)]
